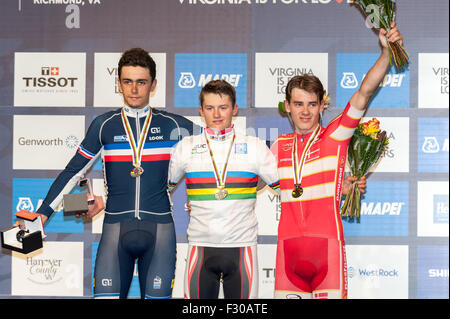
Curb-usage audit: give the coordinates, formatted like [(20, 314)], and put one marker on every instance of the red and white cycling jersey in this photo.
[(316, 212)]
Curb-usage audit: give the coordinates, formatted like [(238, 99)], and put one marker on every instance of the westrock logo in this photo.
[(368, 273), (44, 271)]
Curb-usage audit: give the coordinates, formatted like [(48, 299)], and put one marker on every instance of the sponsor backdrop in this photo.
[(58, 71)]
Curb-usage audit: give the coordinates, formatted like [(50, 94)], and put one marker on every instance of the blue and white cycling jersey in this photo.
[(144, 197)]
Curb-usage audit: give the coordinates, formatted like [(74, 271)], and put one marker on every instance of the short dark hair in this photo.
[(218, 87), (309, 83), (137, 57)]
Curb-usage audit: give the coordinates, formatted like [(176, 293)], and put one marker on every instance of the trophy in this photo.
[(24, 240), (78, 203)]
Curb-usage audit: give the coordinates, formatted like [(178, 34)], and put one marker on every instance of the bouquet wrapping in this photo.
[(383, 13), (365, 149)]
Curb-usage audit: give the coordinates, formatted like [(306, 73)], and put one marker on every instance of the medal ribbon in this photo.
[(137, 151), (220, 180), (299, 172)]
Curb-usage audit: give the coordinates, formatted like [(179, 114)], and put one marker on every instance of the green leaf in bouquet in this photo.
[(281, 108)]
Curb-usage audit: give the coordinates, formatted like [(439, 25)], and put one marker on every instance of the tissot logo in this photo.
[(53, 70), (49, 79)]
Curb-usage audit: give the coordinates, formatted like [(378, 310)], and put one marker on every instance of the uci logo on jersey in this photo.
[(240, 148), (199, 148)]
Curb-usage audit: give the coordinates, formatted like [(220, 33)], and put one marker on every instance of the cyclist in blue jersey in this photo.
[(135, 143)]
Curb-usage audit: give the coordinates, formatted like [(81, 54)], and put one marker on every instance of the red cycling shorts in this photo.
[(310, 267)]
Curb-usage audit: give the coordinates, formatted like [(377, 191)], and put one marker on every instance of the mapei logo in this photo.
[(349, 80), (433, 145), (351, 70), (387, 217), (380, 208), (193, 71), (187, 80), (25, 203)]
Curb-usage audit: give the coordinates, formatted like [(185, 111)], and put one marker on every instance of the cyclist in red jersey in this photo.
[(311, 260)]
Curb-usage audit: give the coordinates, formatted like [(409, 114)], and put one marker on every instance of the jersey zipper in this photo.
[(138, 178)]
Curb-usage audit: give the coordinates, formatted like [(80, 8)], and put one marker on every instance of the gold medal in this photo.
[(298, 191), (298, 164)]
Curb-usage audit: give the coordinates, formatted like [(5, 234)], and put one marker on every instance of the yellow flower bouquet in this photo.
[(365, 149)]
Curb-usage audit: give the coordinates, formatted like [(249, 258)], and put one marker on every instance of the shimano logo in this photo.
[(438, 273), (380, 208)]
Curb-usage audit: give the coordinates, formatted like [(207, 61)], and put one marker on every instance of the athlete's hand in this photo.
[(93, 209), (349, 180), (393, 35), (187, 208)]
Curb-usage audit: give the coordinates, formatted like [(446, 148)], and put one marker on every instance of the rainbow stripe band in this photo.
[(202, 185)]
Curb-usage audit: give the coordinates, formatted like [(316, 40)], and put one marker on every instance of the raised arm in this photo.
[(376, 74)]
